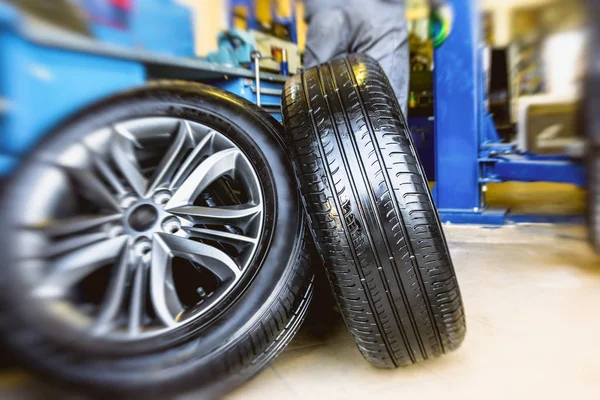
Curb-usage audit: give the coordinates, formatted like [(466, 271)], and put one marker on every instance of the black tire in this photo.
[(591, 125), (371, 213), (212, 354), (593, 198)]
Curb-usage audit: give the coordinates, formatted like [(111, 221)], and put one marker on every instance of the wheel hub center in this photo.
[(143, 217)]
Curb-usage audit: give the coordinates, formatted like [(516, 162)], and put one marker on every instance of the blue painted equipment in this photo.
[(48, 73), (270, 92), (42, 86), (161, 26), (284, 67), (234, 48), (468, 151)]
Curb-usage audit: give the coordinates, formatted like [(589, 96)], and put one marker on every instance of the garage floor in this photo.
[(531, 293)]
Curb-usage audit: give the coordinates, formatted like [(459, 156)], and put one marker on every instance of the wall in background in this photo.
[(502, 10)]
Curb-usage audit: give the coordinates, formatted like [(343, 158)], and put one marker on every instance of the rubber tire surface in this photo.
[(593, 199), (591, 124), (371, 213), (222, 353)]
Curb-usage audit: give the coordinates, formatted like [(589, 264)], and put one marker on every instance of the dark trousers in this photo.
[(375, 28)]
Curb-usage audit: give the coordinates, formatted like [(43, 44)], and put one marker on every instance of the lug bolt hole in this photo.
[(162, 197), (127, 201), (171, 225), (142, 247)]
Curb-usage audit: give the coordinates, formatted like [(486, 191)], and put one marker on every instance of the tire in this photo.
[(371, 213), (229, 340), (591, 126), (593, 207)]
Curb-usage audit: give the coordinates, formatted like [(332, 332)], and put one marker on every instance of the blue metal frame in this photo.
[(457, 107), (160, 26), (34, 80), (46, 76), (270, 92), (468, 151), (41, 86)]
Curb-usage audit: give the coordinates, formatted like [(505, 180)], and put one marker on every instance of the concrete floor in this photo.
[(531, 294)]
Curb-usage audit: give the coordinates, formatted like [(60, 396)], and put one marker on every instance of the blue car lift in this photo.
[(468, 151)]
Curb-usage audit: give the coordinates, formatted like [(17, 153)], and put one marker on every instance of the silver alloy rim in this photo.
[(138, 203)]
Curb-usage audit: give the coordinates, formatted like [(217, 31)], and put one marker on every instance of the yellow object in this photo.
[(263, 11), (417, 13), (412, 103), (240, 20), (284, 8), (542, 198), (300, 25), (269, 45), (264, 8), (537, 198)]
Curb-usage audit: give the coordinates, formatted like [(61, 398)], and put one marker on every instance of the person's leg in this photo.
[(382, 33), (326, 37), (396, 65), (377, 29)]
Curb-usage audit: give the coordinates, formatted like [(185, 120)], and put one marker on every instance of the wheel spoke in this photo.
[(74, 266), (73, 229), (207, 172), (73, 243), (112, 302), (164, 297), (165, 248), (137, 303), (190, 161), (93, 189), (123, 154), (108, 174), (223, 214), (183, 141), (74, 225), (233, 239), (221, 264)]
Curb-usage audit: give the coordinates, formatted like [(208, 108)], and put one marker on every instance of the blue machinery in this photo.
[(52, 74), (468, 152), (49, 73)]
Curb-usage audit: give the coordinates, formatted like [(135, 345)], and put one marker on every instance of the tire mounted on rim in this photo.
[(154, 244), (371, 213)]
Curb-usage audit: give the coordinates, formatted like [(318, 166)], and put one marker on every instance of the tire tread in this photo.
[(371, 214)]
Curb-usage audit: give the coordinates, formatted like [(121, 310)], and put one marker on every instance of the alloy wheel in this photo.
[(138, 228)]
